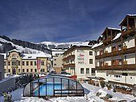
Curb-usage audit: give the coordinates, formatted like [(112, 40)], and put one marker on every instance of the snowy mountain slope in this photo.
[(52, 45), (7, 45)]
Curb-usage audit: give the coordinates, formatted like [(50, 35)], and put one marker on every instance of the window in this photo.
[(54, 59), (93, 70), (31, 70), (9, 63), (31, 63), (35, 63), (54, 64), (91, 61), (23, 70), (35, 70), (27, 63), (42, 70), (87, 70), (19, 63), (82, 70), (23, 63), (42, 63), (9, 70), (18, 70), (27, 70), (13, 63), (90, 53)]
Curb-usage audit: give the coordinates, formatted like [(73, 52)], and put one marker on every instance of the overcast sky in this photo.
[(61, 20)]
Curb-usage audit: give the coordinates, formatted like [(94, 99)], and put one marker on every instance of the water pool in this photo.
[(53, 86), (47, 89)]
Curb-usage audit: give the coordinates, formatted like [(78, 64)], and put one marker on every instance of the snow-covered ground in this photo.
[(91, 97), (16, 95)]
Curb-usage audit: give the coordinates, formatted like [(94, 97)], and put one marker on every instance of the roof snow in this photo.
[(34, 56), (117, 36), (131, 14), (113, 28), (97, 45), (4, 54), (31, 56)]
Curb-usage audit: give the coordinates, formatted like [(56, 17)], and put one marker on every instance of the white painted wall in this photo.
[(97, 63), (130, 79), (130, 42), (108, 48), (130, 58), (107, 60), (86, 63)]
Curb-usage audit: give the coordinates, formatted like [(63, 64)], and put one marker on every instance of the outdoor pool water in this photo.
[(47, 89)]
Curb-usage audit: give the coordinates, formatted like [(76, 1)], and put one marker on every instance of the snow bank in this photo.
[(102, 93), (116, 95)]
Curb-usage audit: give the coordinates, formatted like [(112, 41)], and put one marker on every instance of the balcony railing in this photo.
[(128, 32), (107, 40), (118, 67), (116, 53), (69, 57), (69, 65)]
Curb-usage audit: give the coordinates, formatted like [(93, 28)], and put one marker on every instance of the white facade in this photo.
[(121, 55), (83, 62), (116, 76), (82, 58), (129, 58)]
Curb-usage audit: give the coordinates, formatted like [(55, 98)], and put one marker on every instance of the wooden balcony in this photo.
[(128, 32), (107, 40), (118, 67), (129, 50), (69, 65), (116, 53), (69, 57)]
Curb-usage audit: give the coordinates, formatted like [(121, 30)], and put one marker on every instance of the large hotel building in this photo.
[(79, 61), (115, 53), (17, 63)]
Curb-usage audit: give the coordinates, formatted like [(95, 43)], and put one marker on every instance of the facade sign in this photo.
[(38, 64), (81, 57)]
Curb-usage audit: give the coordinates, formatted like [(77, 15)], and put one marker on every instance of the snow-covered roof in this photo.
[(4, 54), (131, 14), (117, 36), (31, 56), (113, 28), (34, 56), (97, 45), (57, 52), (15, 50)]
